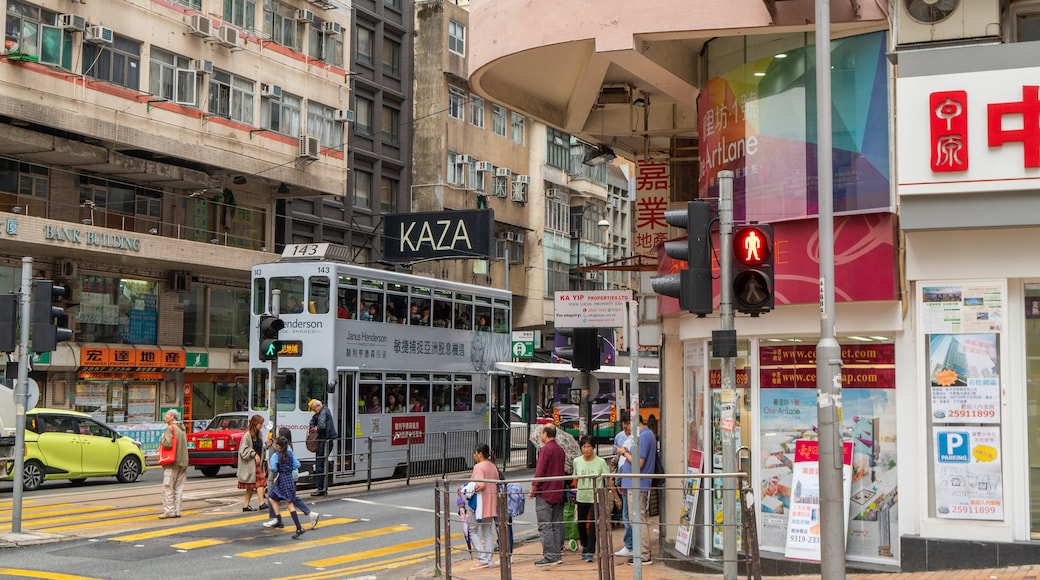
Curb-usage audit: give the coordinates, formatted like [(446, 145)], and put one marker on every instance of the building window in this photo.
[(391, 57), (557, 148), (241, 13), (231, 96), (519, 191), (476, 110), (501, 185), (321, 123), (557, 215), (282, 114), (281, 25), (457, 103), (396, 4), (170, 78), (388, 195), (118, 63), (518, 128), (557, 277), (23, 179), (391, 124), (362, 189), (363, 116), (476, 178), (325, 46), (456, 169), (456, 38), (498, 120), (365, 45), (32, 31)]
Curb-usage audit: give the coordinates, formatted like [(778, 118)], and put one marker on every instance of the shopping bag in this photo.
[(312, 440), (168, 456)]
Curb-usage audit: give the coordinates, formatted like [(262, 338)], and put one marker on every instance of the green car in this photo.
[(69, 445)]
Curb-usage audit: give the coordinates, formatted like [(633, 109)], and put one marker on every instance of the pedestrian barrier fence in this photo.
[(681, 515)]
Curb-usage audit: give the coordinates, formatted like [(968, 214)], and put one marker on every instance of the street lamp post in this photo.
[(586, 401), (603, 226)]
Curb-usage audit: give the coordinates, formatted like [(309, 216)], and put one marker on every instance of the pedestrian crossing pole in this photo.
[(272, 392), (21, 396)]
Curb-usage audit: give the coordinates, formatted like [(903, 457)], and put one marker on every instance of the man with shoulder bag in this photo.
[(324, 425)]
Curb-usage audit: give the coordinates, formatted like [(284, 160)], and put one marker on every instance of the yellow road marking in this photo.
[(98, 522), (347, 558), (382, 565), (28, 506), (281, 549), (210, 525), (41, 574), (77, 516), (199, 544), (57, 509)]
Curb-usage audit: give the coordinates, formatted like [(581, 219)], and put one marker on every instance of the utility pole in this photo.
[(21, 395), (726, 347), (828, 353), (634, 494), (272, 393)]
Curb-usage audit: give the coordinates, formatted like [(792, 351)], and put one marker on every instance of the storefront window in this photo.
[(118, 400), (1032, 332), (117, 310), (229, 319), (194, 304)]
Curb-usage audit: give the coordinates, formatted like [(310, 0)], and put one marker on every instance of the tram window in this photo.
[(318, 299), (442, 314), (395, 308), (419, 312), (260, 296), (482, 314), (396, 390), (419, 398), (441, 399), (258, 389), (347, 297), (463, 397), (285, 390), (292, 293), (371, 307), (501, 316), (371, 399), (312, 386)]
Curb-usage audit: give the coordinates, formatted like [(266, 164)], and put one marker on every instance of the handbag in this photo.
[(312, 440), (168, 456)]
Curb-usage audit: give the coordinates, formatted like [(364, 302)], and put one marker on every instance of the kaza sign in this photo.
[(443, 234)]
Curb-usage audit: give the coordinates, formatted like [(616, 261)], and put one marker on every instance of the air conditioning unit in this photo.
[(332, 28), (309, 147), (99, 35), (520, 238), (485, 166), (591, 276), (503, 172), (343, 115), (267, 90), (201, 66), (523, 178), (305, 15), (510, 237), (930, 21), (463, 159), (201, 25), (64, 269), (552, 193), (228, 36), (71, 22), (180, 281), (519, 195)]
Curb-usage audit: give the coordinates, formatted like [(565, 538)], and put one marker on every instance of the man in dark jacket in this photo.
[(548, 496), (325, 425)]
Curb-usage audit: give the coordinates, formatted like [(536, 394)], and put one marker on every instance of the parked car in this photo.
[(63, 444), (216, 446)]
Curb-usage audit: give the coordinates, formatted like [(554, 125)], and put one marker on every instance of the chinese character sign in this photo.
[(652, 181)]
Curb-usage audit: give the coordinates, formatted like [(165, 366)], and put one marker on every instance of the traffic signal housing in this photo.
[(691, 286), (583, 348), (45, 317), (269, 343), (8, 322), (753, 269)]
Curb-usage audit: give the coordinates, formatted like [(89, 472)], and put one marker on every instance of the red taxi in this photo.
[(217, 445)]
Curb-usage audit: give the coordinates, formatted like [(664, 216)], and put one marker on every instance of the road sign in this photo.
[(523, 344), (592, 309)]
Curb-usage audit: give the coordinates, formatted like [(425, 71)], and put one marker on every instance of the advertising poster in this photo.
[(803, 522), (964, 378), (962, 308), (688, 511), (788, 414), (968, 481)]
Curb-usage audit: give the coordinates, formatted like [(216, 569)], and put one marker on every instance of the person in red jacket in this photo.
[(548, 498)]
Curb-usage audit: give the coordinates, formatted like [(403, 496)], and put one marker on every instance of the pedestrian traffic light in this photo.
[(269, 343), (8, 322), (582, 350), (692, 286), (45, 317), (753, 269)]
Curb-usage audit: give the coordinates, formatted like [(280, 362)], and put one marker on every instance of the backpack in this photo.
[(515, 499), (658, 482)]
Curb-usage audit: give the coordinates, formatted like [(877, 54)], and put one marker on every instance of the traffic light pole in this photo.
[(21, 396), (828, 352), (729, 377), (272, 391)]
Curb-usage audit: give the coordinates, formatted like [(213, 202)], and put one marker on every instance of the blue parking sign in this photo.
[(954, 447)]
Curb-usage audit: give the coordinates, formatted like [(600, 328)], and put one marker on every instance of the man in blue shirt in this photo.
[(639, 493)]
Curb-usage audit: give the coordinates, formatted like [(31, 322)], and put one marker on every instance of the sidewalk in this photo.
[(526, 553)]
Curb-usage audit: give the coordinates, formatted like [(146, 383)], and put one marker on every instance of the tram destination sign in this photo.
[(439, 235)]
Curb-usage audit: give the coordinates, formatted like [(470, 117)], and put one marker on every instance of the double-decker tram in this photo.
[(401, 361)]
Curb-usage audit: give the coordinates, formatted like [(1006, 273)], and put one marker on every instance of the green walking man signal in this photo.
[(269, 343)]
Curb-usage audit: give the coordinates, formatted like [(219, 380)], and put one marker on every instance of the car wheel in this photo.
[(78, 481), (129, 470), (32, 475), (210, 471)]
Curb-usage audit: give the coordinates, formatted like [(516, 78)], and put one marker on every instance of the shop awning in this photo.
[(557, 370)]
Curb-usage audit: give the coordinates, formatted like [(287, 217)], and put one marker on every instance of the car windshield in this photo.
[(225, 423)]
